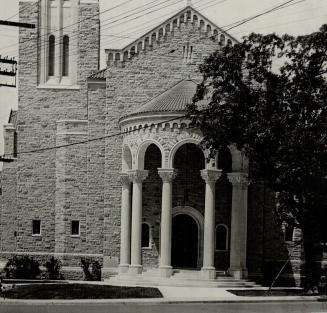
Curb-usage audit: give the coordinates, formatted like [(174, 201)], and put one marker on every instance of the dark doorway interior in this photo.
[(184, 242)]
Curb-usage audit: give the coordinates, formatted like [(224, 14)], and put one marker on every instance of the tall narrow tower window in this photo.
[(65, 56), (52, 44)]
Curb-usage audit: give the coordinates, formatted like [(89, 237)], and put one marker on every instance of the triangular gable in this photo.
[(188, 14)]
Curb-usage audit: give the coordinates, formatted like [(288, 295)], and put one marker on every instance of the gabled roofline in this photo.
[(128, 48), (189, 7)]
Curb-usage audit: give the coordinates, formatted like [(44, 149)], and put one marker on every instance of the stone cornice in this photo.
[(239, 179), (138, 176), (167, 174)]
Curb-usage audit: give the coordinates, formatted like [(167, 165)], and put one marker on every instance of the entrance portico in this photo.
[(169, 138)]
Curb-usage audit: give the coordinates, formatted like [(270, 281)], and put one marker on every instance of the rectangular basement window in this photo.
[(36, 228), (75, 228)]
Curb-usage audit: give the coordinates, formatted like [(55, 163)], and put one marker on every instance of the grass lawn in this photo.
[(79, 291), (272, 293)]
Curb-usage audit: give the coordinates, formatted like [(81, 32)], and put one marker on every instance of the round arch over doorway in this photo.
[(187, 239)]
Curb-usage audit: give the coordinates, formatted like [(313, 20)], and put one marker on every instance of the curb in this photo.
[(163, 301)]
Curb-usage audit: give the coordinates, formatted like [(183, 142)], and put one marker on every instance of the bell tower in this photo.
[(61, 39)]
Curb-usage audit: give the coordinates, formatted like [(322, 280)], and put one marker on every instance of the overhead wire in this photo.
[(122, 133), (79, 22)]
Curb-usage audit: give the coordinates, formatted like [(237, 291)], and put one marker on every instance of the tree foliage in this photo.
[(267, 96)]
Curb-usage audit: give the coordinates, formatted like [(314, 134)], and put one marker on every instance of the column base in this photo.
[(238, 272), (123, 268), (135, 269), (165, 271), (208, 273)]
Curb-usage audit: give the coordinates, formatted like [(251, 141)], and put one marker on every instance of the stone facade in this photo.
[(81, 182)]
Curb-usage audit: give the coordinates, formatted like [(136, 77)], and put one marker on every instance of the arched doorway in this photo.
[(185, 242)]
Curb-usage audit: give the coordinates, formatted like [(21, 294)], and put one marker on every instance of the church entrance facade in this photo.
[(170, 183)]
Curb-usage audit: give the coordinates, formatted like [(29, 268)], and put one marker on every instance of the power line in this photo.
[(5, 156), (85, 19), (244, 20), (236, 24), (71, 54), (119, 134)]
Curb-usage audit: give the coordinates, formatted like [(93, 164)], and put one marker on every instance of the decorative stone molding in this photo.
[(239, 180), (167, 174), (125, 180), (138, 176), (211, 176)]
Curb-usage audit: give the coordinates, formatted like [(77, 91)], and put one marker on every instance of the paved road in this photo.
[(305, 307)]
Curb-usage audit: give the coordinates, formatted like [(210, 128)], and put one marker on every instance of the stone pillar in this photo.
[(208, 270), (125, 226), (167, 176), (240, 184), (137, 177)]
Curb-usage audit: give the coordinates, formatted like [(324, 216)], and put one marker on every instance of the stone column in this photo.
[(137, 177), (125, 232), (208, 270), (240, 184), (167, 176)]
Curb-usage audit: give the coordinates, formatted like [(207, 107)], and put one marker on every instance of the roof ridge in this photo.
[(160, 30)]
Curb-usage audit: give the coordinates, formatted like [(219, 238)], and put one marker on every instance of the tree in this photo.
[(277, 116)]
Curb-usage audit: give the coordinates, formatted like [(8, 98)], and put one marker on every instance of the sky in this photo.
[(123, 21)]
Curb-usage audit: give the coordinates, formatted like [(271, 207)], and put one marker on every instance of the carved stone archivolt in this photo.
[(165, 140)]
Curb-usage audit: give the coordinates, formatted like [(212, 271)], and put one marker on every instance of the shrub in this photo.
[(53, 267), (85, 264), (95, 273), (22, 267), (96, 270)]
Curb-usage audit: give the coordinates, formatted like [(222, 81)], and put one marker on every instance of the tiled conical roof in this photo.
[(174, 99)]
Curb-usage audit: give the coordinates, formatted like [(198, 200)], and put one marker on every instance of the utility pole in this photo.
[(8, 66), (17, 24), (5, 160)]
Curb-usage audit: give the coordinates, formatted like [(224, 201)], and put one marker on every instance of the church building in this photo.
[(107, 166)]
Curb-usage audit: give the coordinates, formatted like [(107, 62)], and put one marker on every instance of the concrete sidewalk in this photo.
[(178, 295)]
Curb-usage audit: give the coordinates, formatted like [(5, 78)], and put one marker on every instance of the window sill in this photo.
[(62, 87), (75, 236), (36, 235)]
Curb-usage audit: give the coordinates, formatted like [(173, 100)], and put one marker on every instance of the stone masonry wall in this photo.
[(95, 168), (39, 110), (8, 220), (71, 186)]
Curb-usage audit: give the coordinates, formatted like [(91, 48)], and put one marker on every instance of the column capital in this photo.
[(125, 179), (138, 176), (211, 175), (167, 174), (239, 179)]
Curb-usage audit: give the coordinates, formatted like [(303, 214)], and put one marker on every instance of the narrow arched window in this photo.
[(146, 235), (65, 56), (222, 40), (221, 238), (51, 61)]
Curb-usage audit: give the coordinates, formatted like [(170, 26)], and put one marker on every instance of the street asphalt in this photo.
[(275, 307)]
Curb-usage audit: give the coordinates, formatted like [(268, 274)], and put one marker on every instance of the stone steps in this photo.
[(180, 278)]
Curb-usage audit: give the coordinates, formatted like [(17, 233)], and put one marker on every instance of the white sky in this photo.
[(303, 18)]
